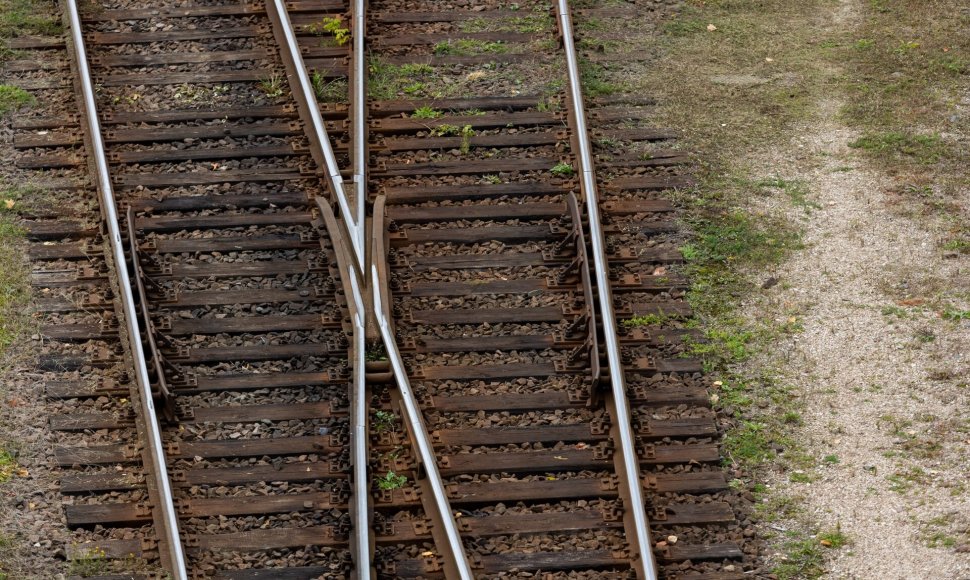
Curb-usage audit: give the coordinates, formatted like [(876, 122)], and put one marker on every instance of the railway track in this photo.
[(434, 337)]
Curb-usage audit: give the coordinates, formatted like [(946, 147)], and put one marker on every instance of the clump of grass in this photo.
[(804, 558), (12, 98), (834, 539), (562, 170), (272, 86), (334, 91), (376, 352), (644, 320), (426, 112), (391, 481), (92, 562), (384, 420), (8, 465), (890, 145), (466, 139), (466, 132), (445, 130), (749, 444)]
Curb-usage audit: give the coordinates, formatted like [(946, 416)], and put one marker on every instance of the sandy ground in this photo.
[(882, 374), (880, 396)]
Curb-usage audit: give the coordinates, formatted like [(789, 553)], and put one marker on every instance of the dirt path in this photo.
[(881, 368)]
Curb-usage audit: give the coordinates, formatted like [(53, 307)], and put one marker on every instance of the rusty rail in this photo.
[(171, 549), (641, 546)]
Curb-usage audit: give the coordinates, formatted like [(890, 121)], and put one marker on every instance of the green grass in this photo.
[(27, 18), (562, 170), (391, 481), (749, 444), (8, 465), (469, 47), (594, 80), (12, 98), (645, 320), (334, 91), (804, 557), (384, 420), (14, 288), (390, 81), (796, 190), (534, 23), (900, 145), (91, 562), (426, 112)]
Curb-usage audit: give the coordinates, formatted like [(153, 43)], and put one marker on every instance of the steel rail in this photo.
[(420, 434), (359, 437), (170, 529), (607, 316), (358, 115), (356, 225), (355, 272)]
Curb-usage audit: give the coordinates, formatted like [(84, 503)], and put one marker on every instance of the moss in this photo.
[(12, 98)]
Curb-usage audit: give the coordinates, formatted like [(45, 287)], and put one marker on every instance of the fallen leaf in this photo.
[(825, 543), (671, 539), (711, 27), (559, 457), (911, 302), (22, 472), (659, 271), (9, 203), (769, 59), (715, 398), (718, 383), (427, 554)]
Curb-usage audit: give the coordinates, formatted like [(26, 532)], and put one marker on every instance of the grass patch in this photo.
[(562, 170), (594, 81), (645, 320), (389, 81), (27, 18), (426, 112), (14, 288), (384, 420), (469, 47), (896, 145), (92, 562), (334, 91), (391, 481), (8, 465), (804, 557), (527, 23), (273, 86), (12, 98)]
